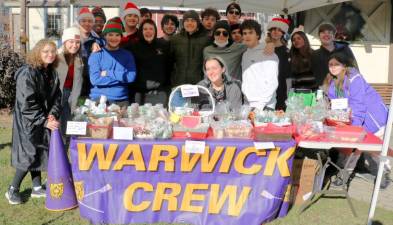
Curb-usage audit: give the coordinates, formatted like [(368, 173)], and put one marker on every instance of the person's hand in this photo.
[(52, 124), (103, 73), (51, 117), (150, 84), (95, 47), (269, 49)]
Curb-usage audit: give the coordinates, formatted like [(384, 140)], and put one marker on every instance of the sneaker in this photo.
[(13, 196), (39, 193), (385, 181)]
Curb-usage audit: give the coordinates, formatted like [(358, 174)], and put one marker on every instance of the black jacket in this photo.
[(320, 60), (152, 63), (187, 53), (284, 71), (37, 96)]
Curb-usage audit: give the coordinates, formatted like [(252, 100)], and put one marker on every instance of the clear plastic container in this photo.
[(345, 133)]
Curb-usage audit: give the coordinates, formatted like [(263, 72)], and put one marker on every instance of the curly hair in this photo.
[(33, 58), (210, 12)]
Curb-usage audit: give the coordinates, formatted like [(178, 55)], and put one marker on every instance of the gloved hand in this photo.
[(150, 84)]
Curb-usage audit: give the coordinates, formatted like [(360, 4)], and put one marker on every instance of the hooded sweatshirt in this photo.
[(231, 54), (260, 77)]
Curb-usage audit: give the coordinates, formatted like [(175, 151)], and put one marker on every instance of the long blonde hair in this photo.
[(34, 59), (343, 59)]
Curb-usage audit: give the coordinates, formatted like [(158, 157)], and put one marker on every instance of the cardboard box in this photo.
[(304, 179)]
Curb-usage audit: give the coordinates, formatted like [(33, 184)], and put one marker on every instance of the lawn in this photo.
[(325, 211)]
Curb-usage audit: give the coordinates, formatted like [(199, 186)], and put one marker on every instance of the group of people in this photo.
[(123, 59)]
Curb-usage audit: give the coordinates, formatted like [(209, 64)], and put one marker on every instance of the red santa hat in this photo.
[(84, 13), (130, 8), (281, 23)]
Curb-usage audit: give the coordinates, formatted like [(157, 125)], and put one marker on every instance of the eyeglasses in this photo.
[(236, 12), (218, 33)]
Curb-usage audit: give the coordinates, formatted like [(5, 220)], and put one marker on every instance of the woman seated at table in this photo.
[(368, 109), (222, 86)]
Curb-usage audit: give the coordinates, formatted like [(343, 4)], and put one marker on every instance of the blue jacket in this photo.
[(120, 71), (368, 109)]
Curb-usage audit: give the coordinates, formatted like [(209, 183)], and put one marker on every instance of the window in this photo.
[(54, 26)]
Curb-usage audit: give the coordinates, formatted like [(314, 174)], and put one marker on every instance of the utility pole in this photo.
[(23, 37)]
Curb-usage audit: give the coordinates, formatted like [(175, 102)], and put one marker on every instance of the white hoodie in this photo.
[(260, 77)]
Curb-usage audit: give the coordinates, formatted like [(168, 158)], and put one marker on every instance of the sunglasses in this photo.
[(234, 12), (218, 33)]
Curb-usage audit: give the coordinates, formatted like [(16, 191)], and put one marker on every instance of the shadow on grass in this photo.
[(376, 223), (25, 195), (3, 146), (53, 219)]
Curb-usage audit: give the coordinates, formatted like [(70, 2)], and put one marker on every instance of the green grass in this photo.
[(325, 211)]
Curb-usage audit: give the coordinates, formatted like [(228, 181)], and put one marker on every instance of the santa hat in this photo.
[(71, 33), (84, 13), (281, 23), (130, 8)]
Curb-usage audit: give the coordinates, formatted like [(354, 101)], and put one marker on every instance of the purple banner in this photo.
[(156, 181)]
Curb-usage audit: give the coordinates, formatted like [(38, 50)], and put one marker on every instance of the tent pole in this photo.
[(383, 160)]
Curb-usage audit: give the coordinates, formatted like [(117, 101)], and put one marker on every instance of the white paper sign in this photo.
[(195, 147), (123, 133), (76, 128), (189, 91), (339, 103), (264, 145)]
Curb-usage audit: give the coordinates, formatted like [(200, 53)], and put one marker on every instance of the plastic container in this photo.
[(345, 133), (239, 129), (271, 132)]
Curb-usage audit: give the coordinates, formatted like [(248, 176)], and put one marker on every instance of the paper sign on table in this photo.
[(76, 128), (189, 91), (195, 147), (123, 133), (339, 103), (264, 145)]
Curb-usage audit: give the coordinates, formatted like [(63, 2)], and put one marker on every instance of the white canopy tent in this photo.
[(270, 6)]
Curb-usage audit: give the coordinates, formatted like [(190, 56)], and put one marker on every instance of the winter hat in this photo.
[(222, 24), (98, 12), (71, 33), (191, 14), (233, 5), (130, 8), (113, 25), (282, 24), (118, 20), (84, 13)]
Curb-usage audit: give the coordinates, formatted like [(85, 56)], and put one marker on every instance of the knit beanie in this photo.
[(113, 25), (233, 5), (191, 14), (222, 24), (282, 24), (71, 33), (85, 13), (117, 19), (98, 12), (130, 8)]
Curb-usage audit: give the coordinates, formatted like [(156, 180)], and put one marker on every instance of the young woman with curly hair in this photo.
[(36, 112)]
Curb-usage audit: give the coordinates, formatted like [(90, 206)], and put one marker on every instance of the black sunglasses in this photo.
[(234, 12), (218, 33)]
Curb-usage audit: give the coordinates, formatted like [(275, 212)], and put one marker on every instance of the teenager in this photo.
[(233, 13), (130, 16), (222, 86), (169, 26), (112, 68), (36, 113), (277, 28), (69, 70), (367, 108), (235, 33), (300, 55), (90, 42), (152, 63), (321, 56), (209, 18), (186, 49), (99, 20), (260, 71), (145, 14)]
